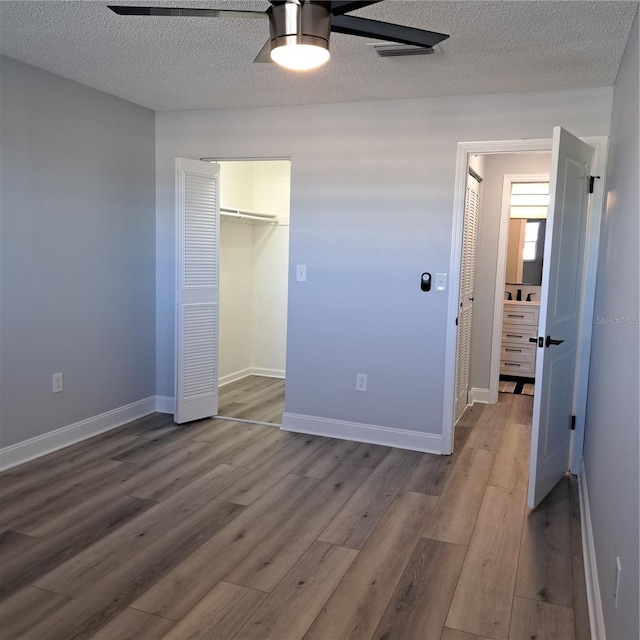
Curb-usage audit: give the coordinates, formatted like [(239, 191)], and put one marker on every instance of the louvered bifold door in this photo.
[(467, 283), (197, 235)]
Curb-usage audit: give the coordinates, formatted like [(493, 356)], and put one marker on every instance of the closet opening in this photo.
[(254, 257)]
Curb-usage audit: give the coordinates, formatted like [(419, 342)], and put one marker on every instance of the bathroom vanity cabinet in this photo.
[(519, 323)]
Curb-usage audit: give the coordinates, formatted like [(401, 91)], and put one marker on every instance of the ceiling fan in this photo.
[(300, 29)]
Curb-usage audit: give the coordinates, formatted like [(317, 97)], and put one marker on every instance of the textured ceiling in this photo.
[(198, 63)]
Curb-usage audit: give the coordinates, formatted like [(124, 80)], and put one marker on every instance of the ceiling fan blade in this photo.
[(264, 55), (184, 12), (338, 7), (354, 26)]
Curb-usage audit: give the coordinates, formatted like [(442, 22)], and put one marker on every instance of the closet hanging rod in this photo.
[(249, 215)]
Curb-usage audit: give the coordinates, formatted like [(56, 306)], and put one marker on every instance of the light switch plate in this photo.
[(441, 281), (301, 272), (57, 383)]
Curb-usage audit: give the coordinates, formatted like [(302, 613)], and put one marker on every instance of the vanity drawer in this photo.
[(514, 368), (521, 315), (518, 353), (518, 334)]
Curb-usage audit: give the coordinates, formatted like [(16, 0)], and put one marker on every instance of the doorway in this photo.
[(254, 255), (586, 299), (500, 281), (509, 276)]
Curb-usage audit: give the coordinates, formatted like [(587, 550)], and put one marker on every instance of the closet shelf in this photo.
[(251, 216)]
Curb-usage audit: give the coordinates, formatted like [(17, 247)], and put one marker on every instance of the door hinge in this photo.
[(573, 423), (592, 179)]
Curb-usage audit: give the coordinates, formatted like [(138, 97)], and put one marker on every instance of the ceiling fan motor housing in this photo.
[(305, 23)]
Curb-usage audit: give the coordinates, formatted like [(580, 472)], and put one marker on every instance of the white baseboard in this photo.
[(165, 404), (234, 377), (594, 599), (251, 371), (268, 373), (21, 452), (477, 394), (373, 434)]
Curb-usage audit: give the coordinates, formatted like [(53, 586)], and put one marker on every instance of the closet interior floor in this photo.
[(257, 398), (221, 530)]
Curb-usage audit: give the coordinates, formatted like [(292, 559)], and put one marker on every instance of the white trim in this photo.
[(600, 144), (594, 599), (585, 329), (501, 271), (251, 371), (372, 434), (476, 394), (21, 452), (234, 377), (165, 404), (245, 421), (268, 373)]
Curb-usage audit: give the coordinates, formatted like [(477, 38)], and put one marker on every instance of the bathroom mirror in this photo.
[(525, 250)]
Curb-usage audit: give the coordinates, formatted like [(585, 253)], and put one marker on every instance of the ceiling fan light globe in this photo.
[(300, 57)]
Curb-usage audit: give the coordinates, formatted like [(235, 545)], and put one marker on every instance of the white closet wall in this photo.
[(253, 270), (272, 189), (236, 256)]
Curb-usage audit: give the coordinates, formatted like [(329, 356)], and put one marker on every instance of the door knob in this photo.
[(551, 341)]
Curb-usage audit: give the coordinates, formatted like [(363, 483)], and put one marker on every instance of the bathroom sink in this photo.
[(533, 303)]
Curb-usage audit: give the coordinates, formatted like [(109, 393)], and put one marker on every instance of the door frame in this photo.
[(592, 243)]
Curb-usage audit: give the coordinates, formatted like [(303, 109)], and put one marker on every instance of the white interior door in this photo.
[(562, 280), (197, 296), (467, 283)]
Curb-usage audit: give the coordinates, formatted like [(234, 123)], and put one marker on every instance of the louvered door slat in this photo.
[(200, 231), (197, 229), (200, 370), (467, 283)]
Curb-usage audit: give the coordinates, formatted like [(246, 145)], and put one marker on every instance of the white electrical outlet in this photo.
[(301, 272), (57, 382), (616, 593), (361, 382)]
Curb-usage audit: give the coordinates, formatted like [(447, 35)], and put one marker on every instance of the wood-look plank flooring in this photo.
[(256, 398), (219, 530)]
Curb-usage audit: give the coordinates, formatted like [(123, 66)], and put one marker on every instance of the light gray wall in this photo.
[(77, 249), (495, 168), (613, 417), (371, 209)]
